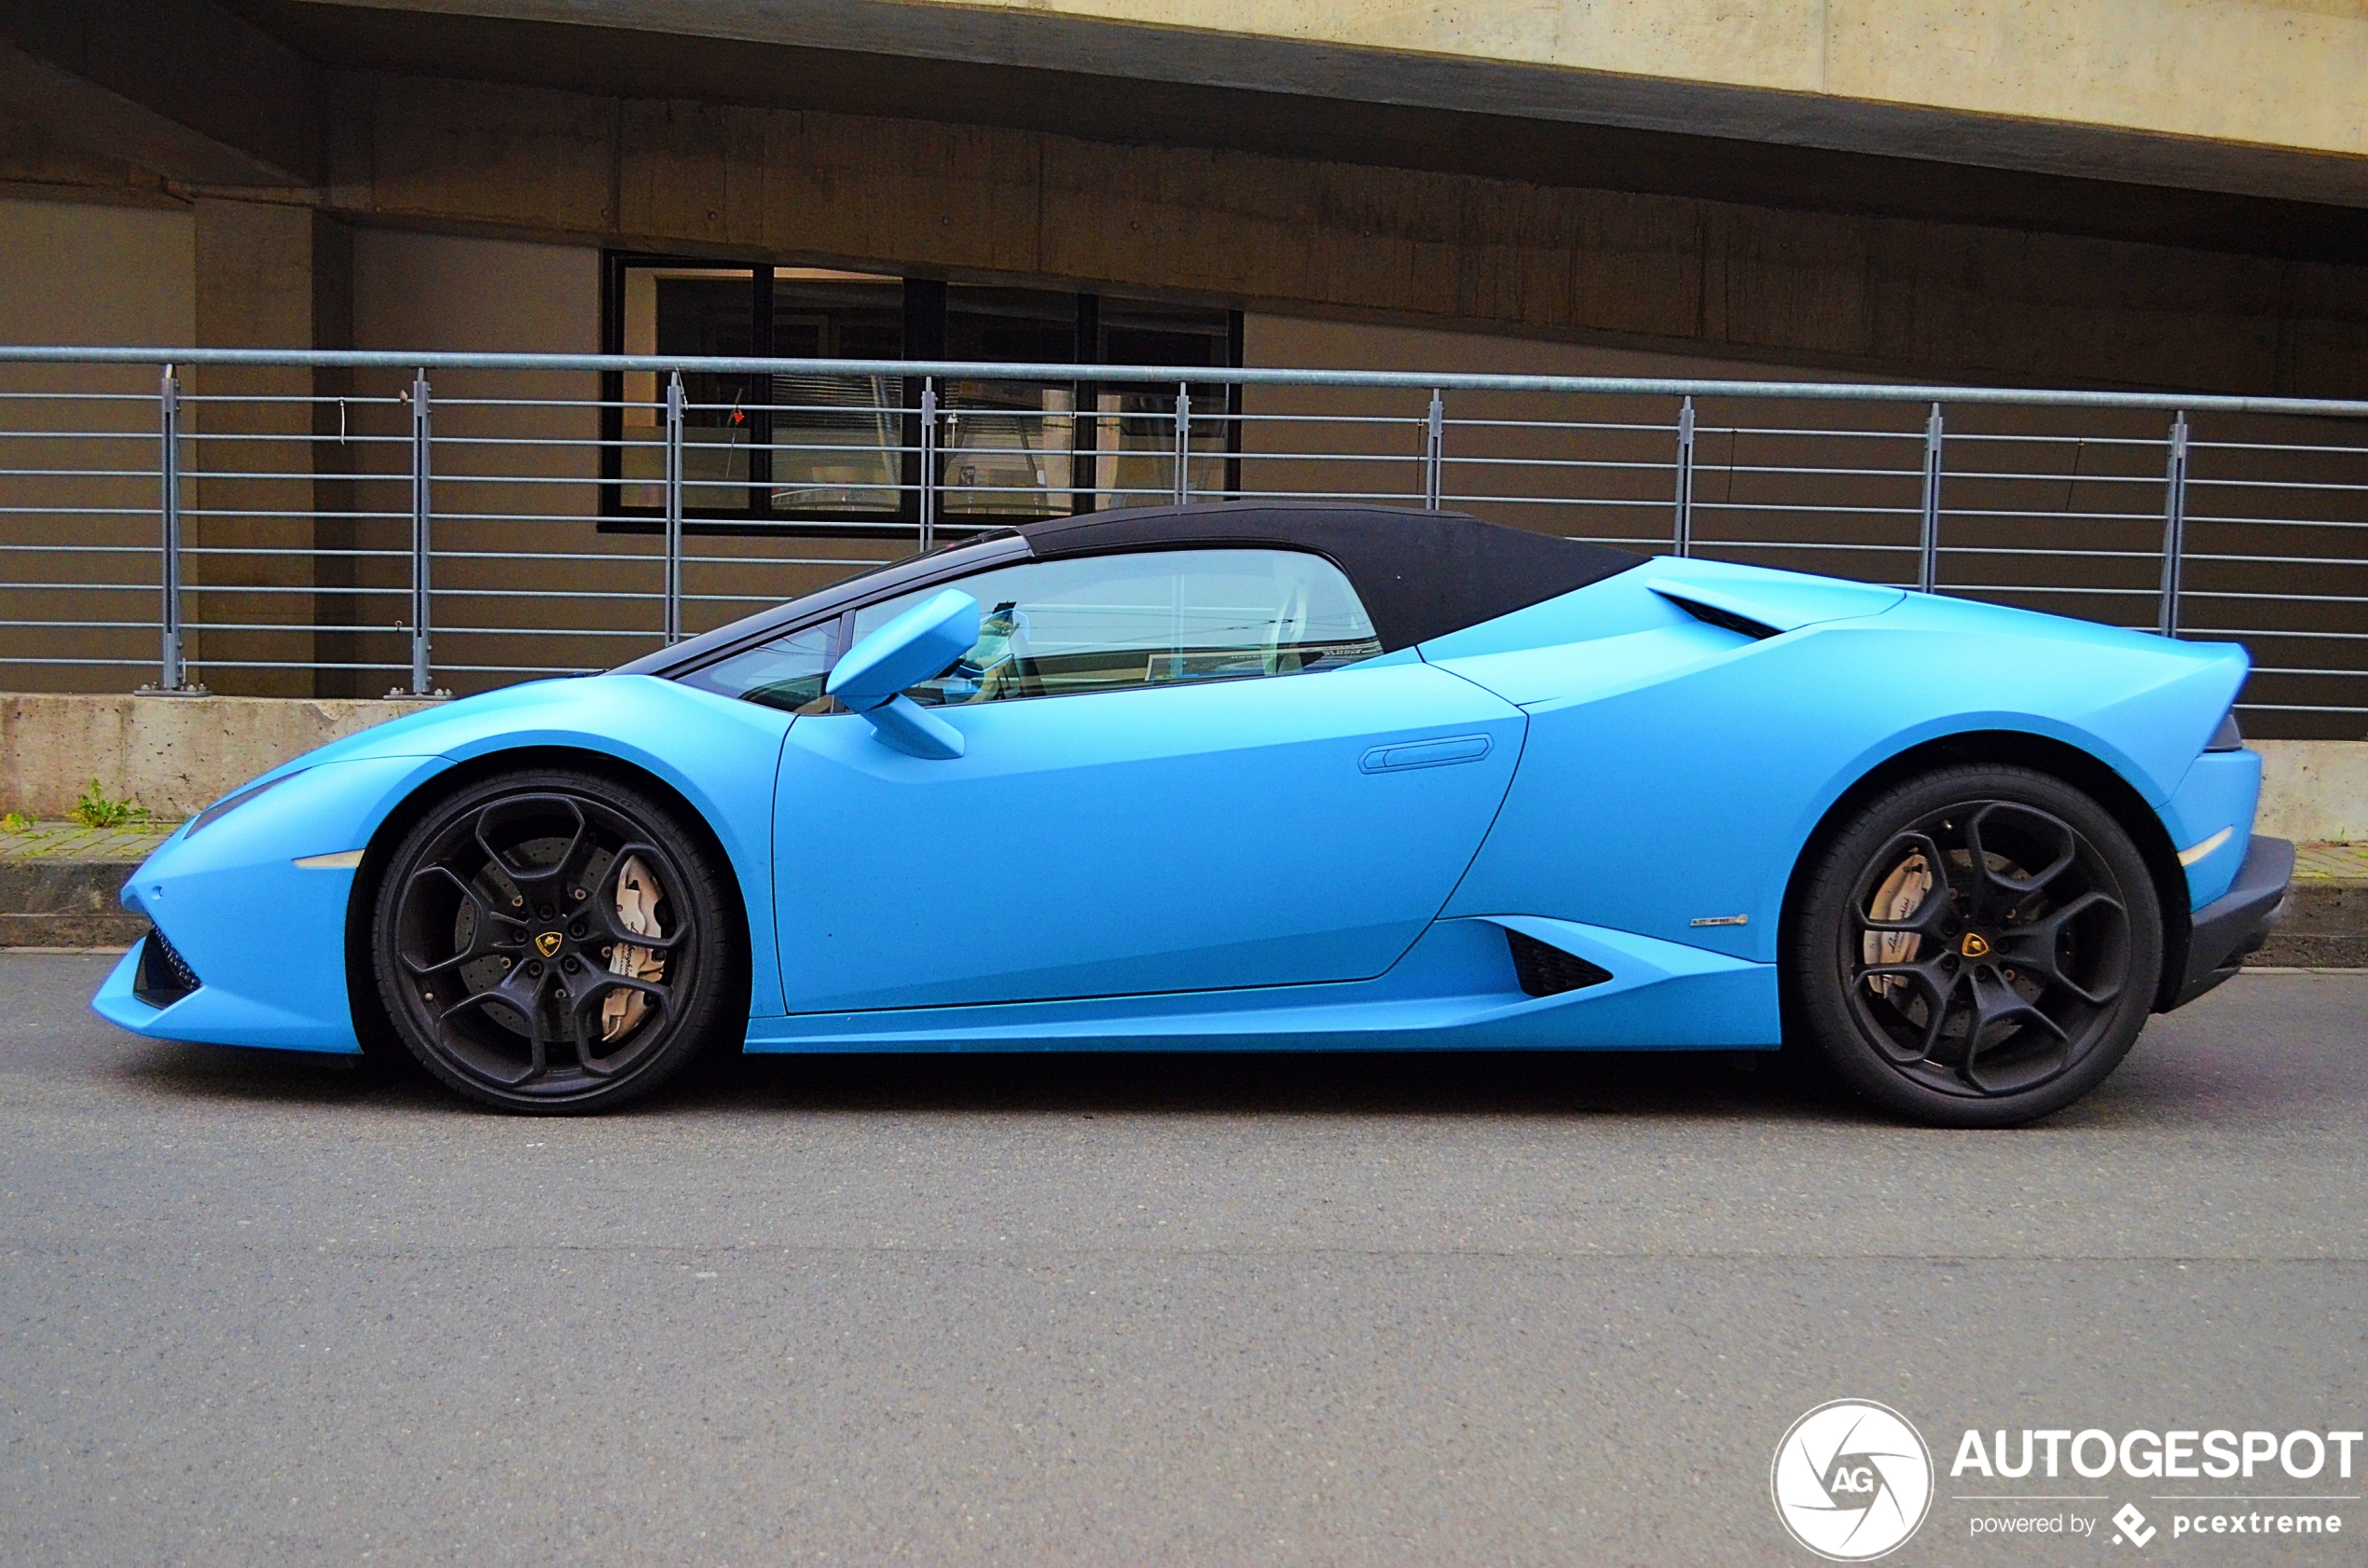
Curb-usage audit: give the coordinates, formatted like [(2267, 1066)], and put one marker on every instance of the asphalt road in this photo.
[(257, 1311)]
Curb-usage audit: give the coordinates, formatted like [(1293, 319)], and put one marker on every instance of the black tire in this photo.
[(2004, 994), (586, 932)]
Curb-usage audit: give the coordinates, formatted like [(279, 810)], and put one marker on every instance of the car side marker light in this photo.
[(2189, 857), (344, 859)]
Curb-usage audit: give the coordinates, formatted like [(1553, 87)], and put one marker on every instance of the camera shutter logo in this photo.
[(1852, 1481)]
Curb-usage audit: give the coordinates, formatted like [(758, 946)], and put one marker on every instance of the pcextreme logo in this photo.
[(1852, 1481)]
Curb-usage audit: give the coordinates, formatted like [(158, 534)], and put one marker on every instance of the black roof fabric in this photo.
[(1421, 574)]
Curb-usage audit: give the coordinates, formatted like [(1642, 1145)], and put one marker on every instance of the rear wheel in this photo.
[(552, 940), (1977, 947)]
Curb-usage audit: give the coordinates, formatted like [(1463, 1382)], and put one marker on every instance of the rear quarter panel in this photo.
[(1645, 801)]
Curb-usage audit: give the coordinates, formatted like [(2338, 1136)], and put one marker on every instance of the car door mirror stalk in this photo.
[(905, 724)]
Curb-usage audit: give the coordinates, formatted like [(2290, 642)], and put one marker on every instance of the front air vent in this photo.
[(1549, 971), (164, 977)]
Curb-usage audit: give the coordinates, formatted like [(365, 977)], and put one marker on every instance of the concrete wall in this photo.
[(2314, 789), (2272, 72), (173, 755), (80, 272), (1308, 237), (2255, 96)]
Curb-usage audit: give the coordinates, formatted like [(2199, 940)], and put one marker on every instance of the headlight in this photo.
[(229, 804)]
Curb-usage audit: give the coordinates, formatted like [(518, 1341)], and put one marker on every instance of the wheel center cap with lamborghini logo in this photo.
[(547, 942), (1975, 945)]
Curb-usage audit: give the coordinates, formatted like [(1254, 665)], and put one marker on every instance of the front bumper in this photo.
[(2237, 922)]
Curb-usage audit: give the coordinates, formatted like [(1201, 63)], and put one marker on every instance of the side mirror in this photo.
[(918, 645)]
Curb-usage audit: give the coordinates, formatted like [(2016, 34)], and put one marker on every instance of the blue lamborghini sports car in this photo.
[(1205, 778)]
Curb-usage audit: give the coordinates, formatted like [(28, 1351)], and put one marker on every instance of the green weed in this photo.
[(94, 810)]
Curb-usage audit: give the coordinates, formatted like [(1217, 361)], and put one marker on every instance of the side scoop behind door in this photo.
[(1248, 833)]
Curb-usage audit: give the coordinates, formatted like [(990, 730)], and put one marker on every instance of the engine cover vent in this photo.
[(1711, 615), (1548, 971), (164, 977)]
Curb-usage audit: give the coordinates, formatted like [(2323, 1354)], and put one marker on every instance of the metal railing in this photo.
[(341, 523)]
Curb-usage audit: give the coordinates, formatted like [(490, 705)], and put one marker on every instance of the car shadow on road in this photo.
[(1706, 1083), (1397, 1083)]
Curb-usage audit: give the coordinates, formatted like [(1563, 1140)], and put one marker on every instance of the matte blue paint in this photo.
[(2220, 791), (1326, 860), (1455, 989), (265, 935), (914, 730), (1679, 775), (914, 647), (251, 924), (1161, 838)]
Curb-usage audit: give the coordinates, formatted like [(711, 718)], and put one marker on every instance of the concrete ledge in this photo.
[(173, 755), (2314, 791), (118, 931), (65, 903)]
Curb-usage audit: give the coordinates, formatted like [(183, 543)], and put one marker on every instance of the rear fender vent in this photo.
[(1549, 971), (164, 977), (1725, 619)]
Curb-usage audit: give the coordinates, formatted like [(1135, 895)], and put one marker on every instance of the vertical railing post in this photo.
[(1434, 452), (1183, 442), (1928, 560), (2174, 522), (674, 401), (172, 676), (423, 438), (1683, 537), (928, 463)]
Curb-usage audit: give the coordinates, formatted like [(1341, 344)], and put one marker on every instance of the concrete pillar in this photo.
[(268, 276)]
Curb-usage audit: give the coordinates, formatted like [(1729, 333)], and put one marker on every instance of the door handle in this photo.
[(1403, 755)]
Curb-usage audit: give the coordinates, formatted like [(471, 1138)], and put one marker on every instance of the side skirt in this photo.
[(1455, 988)]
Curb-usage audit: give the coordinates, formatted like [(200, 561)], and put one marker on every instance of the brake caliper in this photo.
[(637, 910)]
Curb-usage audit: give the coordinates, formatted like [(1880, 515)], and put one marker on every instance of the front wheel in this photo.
[(552, 940), (1977, 947)]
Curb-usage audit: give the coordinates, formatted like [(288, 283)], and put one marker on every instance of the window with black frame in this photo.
[(840, 452)]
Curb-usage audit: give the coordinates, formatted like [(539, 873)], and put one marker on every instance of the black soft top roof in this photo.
[(1421, 574)]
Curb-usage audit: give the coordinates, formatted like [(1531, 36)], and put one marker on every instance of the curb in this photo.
[(66, 903), (2325, 927)]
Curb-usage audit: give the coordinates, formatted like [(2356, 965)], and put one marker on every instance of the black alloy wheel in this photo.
[(1978, 947), (552, 940)]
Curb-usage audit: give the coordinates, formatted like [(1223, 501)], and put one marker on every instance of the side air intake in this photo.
[(1548, 971)]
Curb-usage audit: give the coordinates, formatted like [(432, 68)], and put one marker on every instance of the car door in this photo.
[(1181, 770)]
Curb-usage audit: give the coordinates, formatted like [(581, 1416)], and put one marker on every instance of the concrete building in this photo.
[(2096, 193)]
